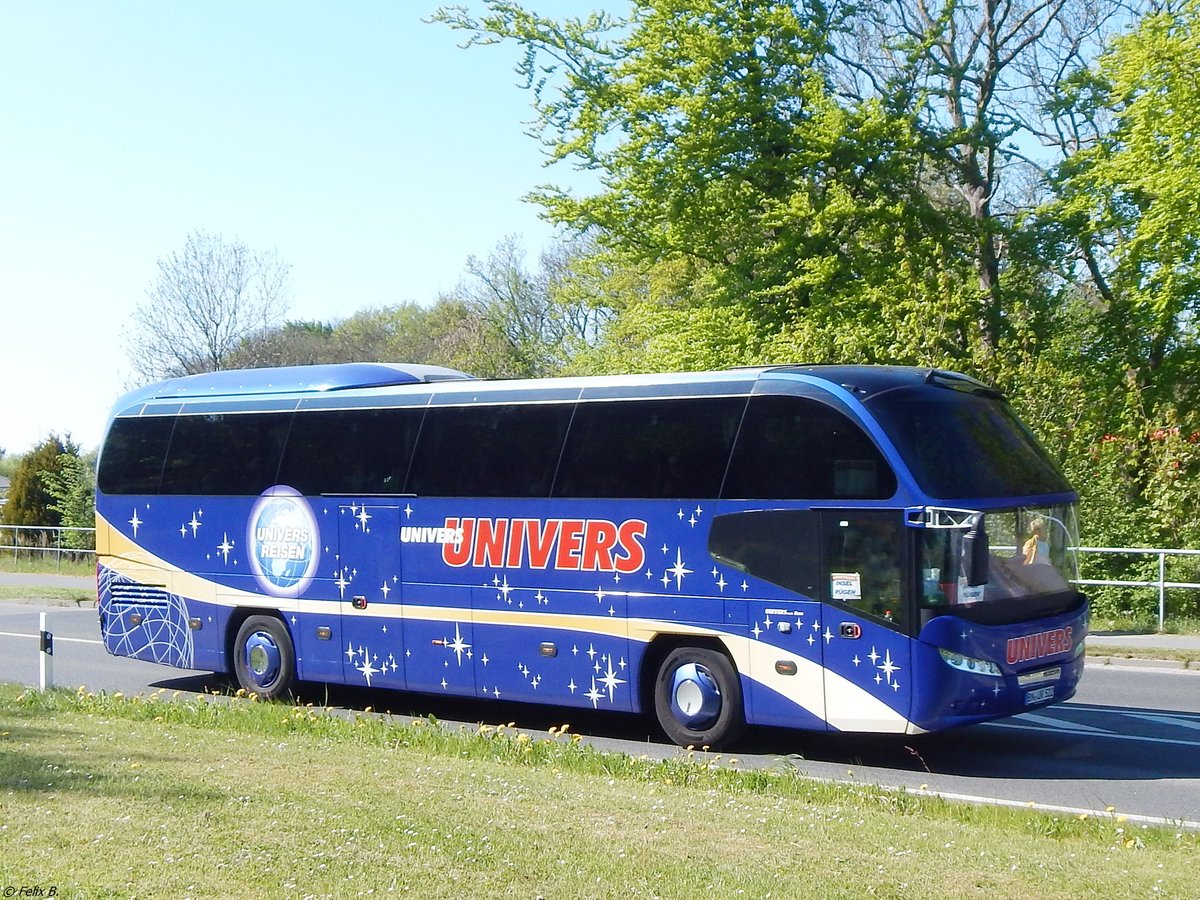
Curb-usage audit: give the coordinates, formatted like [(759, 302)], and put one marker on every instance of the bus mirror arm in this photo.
[(975, 556)]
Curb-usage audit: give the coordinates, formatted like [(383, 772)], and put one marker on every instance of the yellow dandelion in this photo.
[(1109, 809)]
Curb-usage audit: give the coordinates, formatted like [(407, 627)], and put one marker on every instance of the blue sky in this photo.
[(360, 143)]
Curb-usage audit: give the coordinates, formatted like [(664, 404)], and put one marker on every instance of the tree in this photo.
[(542, 317), (1131, 198), (72, 489), (212, 301), (977, 76), (725, 157), (29, 502)]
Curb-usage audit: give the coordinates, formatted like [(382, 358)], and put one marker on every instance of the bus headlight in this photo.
[(969, 664)]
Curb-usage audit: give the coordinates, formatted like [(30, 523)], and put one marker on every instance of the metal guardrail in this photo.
[(1160, 583), (40, 540)]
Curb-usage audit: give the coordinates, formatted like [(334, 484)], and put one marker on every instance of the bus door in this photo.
[(769, 570), (868, 672), (368, 580)]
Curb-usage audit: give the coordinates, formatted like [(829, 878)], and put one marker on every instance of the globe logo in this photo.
[(282, 537)]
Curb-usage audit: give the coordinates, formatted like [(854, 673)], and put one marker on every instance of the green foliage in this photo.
[(721, 146), (29, 501), (72, 489)]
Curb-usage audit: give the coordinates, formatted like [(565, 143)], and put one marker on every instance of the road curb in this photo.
[(1142, 662)]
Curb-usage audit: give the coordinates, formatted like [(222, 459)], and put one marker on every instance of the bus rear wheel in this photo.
[(264, 659), (698, 698)]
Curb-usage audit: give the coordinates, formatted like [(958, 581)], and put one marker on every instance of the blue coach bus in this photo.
[(841, 548)]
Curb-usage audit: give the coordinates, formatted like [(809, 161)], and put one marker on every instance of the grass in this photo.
[(208, 797), (48, 595), (46, 564)]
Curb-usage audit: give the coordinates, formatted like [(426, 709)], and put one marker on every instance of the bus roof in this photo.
[(862, 381)]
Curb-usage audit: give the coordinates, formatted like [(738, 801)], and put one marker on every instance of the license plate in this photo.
[(1039, 696)]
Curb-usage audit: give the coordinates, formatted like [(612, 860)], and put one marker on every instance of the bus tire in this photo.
[(264, 658), (698, 698)]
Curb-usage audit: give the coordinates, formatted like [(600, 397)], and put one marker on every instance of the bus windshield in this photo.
[(964, 444), (1032, 554)]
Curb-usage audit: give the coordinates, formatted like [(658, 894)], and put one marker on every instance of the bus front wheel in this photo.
[(698, 698), (264, 659)]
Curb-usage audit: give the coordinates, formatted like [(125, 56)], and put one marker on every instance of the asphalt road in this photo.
[(1130, 739)]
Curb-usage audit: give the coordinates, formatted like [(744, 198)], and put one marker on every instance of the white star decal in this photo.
[(363, 517), (610, 680), (367, 669), (195, 524), (594, 695), (888, 666), (135, 522), (679, 570), (225, 546), (459, 645)]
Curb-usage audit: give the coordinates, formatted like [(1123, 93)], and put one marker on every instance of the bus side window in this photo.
[(649, 448), (351, 451), (776, 545), (134, 452), (225, 453), (864, 552), (489, 451), (795, 448)]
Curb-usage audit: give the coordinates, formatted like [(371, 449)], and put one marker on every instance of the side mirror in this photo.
[(976, 551)]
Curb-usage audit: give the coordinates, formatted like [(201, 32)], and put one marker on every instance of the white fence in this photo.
[(38, 541), (1160, 584)]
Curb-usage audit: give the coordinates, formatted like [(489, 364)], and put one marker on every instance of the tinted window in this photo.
[(649, 448), (489, 451), (350, 451), (780, 546), (225, 453), (793, 448), (961, 445), (132, 461)]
